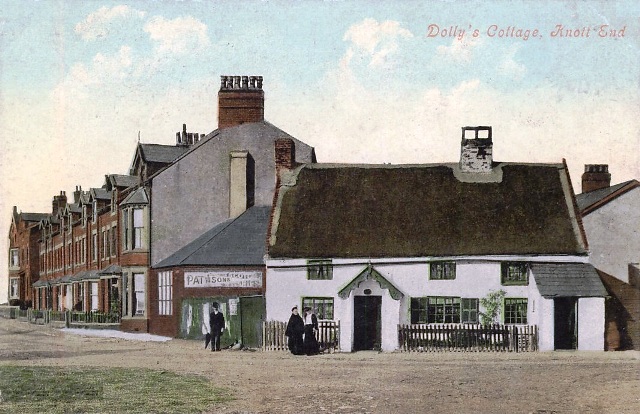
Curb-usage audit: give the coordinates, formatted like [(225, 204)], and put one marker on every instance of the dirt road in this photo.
[(362, 382)]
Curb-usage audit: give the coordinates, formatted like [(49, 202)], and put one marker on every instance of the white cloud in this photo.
[(509, 67), (181, 35), (377, 41), (460, 50), (101, 22)]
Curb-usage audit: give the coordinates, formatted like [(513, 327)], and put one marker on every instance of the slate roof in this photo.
[(120, 180), (139, 196), (567, 280), (239, 241), (113, 269), (101, 193), (586, 200), (161, 153), (33, 216), (423, 210)]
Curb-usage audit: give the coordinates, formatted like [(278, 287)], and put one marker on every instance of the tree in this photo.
[(492, 304)]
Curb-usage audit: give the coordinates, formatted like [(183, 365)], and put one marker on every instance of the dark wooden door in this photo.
[(366, 320), (566, 323)]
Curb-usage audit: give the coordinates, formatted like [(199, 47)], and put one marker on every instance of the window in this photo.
[(514, 273), (442, 271), (94, 211), (105, 244), (13, 288), (515, 310), (138, 225), (322, 307), (94, 249), (14, 258), (165, 293), (125, 229), (138, 294), (319, 270), (94, 296), (469, 310), (114, 239), (435, 309)]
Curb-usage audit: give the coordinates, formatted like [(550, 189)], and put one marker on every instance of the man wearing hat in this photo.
[(216, 323)]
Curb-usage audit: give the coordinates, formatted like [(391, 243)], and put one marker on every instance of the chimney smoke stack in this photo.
[(595, 177), (240, 100), (476, 154)]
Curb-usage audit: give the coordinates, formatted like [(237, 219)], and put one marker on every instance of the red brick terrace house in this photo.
[(93, 252), (24, 233)]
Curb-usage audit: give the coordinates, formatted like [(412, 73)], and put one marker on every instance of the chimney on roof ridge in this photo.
[(285, 154), (476, 154), (240, 100), (186, 139), (76, 194), (59, 202), (595, 177)]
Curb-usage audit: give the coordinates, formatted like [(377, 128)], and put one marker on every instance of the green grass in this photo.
[(104, 390)]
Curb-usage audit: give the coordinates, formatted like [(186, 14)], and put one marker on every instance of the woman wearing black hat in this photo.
[(295, 330), (311, 346)]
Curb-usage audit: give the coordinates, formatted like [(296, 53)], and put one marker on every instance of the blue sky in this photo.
[(360, 80)]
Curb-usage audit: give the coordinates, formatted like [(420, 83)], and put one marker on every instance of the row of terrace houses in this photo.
[(245, 218)]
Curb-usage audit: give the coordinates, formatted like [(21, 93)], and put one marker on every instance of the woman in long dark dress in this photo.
[(295, 330), (311, 346)]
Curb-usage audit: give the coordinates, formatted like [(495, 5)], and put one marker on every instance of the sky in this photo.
[(362, 81)]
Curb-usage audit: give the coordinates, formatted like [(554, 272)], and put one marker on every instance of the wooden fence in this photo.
[(470, 338), (273, 338)]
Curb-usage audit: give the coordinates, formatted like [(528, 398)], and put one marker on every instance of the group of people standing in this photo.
[(301, 332)]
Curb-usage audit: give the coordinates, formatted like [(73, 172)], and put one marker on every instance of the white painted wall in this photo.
[(591, 324), (287, 284), (613, 232)]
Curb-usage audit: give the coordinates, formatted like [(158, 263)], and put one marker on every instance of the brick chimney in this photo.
[(76, 194), (476, 154), (595, 177), (240, 100), (186, 139), (59, 202), (285, 153)]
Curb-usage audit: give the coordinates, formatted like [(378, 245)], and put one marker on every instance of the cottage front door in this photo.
[(566, 323), (366, 322)]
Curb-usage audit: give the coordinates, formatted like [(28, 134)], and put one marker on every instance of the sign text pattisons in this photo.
[(223, 279)]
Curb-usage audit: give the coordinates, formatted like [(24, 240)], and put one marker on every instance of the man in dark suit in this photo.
[(216, 323)]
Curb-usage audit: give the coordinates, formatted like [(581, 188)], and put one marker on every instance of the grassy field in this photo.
[(104, 390)]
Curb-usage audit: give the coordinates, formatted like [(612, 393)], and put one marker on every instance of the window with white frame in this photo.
[(14, 293), (94, 296), (125, 229), (94, 248), (114, 238), (14, 258), (138, 294), (138, 226), (165, 293)]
